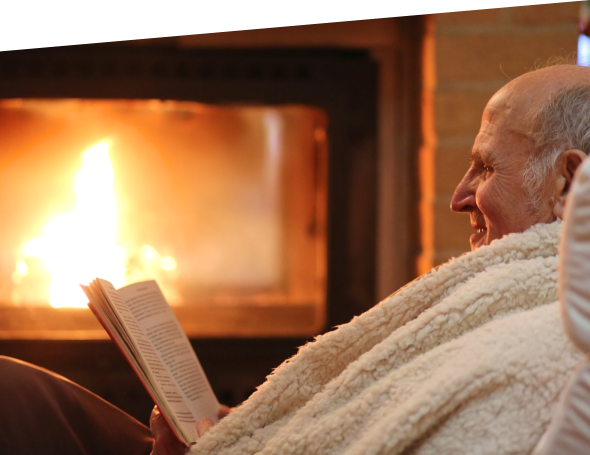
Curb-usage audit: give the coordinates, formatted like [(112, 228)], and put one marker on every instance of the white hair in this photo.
[(561, 123)]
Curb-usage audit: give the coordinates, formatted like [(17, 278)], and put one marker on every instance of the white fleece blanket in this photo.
[(470, 358)]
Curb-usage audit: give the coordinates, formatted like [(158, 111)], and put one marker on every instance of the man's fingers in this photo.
[(223, 411), (204, 425)]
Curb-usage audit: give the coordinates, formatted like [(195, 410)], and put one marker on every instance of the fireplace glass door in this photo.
[(225, 206)]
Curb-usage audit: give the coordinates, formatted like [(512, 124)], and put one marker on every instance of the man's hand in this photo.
[(205, 424), (165, 443)]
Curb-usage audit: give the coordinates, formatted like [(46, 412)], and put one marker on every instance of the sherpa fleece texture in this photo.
[(470, 358)]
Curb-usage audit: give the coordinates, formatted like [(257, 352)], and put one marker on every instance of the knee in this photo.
[(9, 366), (25, 378), (13, 373)]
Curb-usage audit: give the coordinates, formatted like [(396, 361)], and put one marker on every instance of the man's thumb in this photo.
[(204, 425)]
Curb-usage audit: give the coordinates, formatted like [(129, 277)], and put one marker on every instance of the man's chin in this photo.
[(478, 239)]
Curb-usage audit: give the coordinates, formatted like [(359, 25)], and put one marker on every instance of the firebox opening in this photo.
[(224, 206)]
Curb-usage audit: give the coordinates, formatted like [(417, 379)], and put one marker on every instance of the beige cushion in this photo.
[(574, 275), (569, 431)]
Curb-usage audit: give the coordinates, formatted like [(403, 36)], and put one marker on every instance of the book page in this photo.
[(156, 370), (159, 323)]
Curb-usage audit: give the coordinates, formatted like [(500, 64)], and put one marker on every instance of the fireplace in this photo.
[(309, 192)]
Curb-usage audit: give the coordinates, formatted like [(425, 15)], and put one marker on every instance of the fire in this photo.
[(80, 246)]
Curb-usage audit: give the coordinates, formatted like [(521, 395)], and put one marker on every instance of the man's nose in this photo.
[(464, 196)]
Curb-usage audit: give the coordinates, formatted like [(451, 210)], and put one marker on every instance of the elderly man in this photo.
[(469, 358)]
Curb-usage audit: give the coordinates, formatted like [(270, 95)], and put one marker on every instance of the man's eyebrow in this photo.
[(476, 156)]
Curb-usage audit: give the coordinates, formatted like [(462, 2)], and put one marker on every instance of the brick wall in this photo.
[(468, 57)]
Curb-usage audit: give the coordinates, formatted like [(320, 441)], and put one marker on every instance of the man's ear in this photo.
[(565, 170)]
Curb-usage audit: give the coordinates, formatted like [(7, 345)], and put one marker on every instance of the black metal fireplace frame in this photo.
[(344, 83)]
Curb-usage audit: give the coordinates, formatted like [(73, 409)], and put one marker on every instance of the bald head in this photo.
[(531, 89), (524, 95)]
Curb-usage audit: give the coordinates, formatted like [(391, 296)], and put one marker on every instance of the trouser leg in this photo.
[(44, 413)]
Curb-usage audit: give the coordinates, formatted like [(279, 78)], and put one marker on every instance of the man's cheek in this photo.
[(485, 202)]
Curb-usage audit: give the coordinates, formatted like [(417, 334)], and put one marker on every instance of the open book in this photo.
[(140, 321)]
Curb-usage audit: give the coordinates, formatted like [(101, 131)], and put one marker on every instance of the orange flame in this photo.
[(80, 246)]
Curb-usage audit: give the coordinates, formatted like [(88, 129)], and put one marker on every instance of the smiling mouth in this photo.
[(480, 230)]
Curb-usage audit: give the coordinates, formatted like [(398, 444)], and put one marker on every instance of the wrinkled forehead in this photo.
[(511, 104), (505, 122)]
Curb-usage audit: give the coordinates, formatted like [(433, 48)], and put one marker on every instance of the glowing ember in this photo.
[(80, 246)]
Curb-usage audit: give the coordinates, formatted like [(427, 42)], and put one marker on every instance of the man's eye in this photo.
[(487, 168)]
